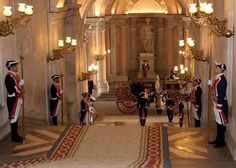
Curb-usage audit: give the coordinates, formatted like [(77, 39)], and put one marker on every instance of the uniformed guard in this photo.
[(55, 98), (90, 86), (170, 103), (91, 110), (14, 97), (84, 107), (196, 101), (181, 113), (220, 106), (143, 103)]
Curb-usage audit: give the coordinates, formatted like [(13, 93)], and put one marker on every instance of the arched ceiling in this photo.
[(111, 7)]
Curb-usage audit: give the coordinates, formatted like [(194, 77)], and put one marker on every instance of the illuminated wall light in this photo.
[(60, 3), (176, 68)]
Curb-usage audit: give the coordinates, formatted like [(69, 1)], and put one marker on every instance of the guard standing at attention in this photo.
[(55, 99), (14, 86), (196, 101), (143, 103), (220, 104)]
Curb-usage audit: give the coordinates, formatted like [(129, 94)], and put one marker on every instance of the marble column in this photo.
[(230, 13), (113, 53), (188, 34), (108, 47), (91, 45), (134, 65), (102, 84), (122, 49), (180, 30), (91, 48), (169, 48), (160, 62), (203, 73)]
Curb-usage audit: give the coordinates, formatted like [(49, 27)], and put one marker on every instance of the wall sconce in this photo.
[(202, 15), (92, 70), (99, 57), (68, 48), (7, 26), (189, 51)]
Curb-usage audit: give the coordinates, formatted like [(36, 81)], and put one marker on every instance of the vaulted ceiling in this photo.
[(111, 7)]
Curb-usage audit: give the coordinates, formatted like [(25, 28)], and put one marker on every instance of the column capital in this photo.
[(170, 22), (187, 20)]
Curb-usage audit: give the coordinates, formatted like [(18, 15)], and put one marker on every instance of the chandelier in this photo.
[(189, 51), (99, 57), (92, 70), (63, 49), (7, 26), (182, 72), (202, 15)]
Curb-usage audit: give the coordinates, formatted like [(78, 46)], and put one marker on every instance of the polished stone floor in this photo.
[(188, 147)]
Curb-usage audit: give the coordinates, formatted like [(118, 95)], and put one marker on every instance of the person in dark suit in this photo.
[(142, 104), (55, 98), (14, 86), (90, 86), (220, 104), (196, 101)]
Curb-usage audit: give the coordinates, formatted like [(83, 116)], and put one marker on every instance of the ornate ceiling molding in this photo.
[(131, 4)]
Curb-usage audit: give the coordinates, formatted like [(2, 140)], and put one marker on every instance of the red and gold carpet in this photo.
[(60, 150), (106, 146), (154, 150)]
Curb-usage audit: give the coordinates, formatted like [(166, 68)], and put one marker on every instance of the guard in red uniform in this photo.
[(196, 101), (142, 103), (220, 104), (14, 85), (181, 113), (55, 99)]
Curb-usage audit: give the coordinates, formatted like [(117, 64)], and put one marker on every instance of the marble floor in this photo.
[(188, 147)]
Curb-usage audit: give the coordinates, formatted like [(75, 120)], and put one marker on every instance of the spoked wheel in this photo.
[(127, 103), (122, 88)]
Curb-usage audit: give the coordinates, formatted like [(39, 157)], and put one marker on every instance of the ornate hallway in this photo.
[(58, 58)]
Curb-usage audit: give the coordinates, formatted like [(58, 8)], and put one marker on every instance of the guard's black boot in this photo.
[(14, 134), (144, 121), (141, 122)]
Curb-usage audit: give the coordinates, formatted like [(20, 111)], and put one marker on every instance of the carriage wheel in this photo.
[(127, 103), (122, 88)]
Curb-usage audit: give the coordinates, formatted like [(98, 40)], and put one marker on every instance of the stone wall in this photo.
[(35, 42), (7, 51)]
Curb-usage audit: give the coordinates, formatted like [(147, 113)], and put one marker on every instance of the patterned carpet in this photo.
[(59, 151), (144, 147), (154, 149)]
